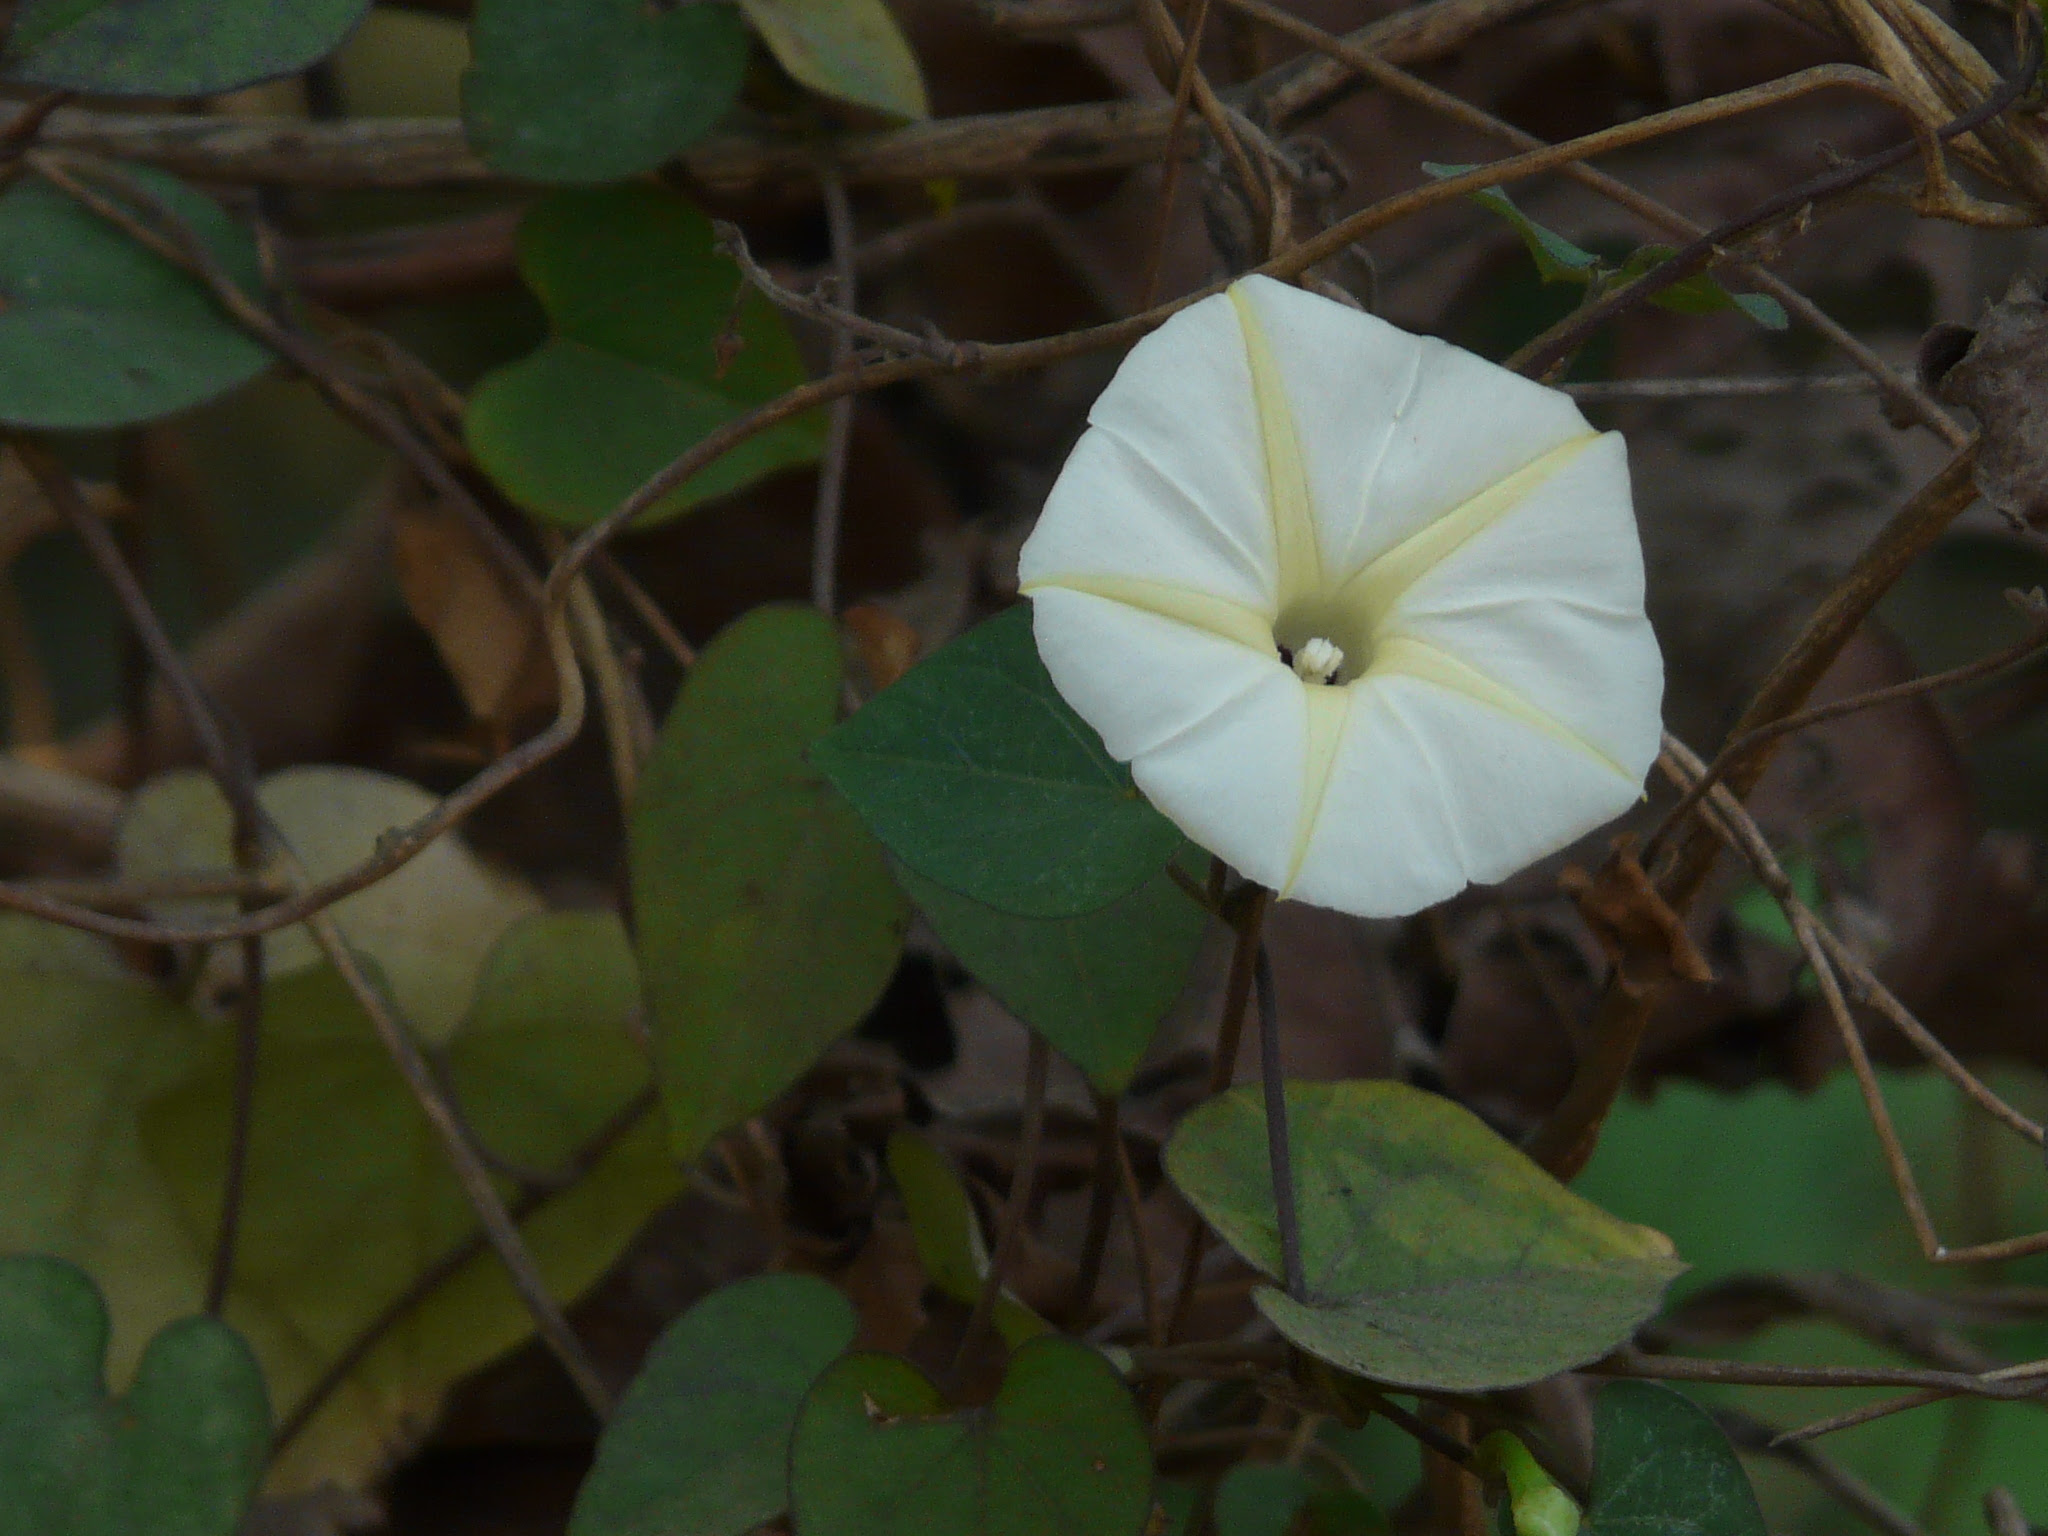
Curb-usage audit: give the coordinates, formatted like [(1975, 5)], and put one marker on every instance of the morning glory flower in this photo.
[(1363, 611)]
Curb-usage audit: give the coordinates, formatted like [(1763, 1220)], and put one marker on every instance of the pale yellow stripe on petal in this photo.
[(1406, 656), (1376, 588), (1294, 525), (1202, 610), (1328, 711)]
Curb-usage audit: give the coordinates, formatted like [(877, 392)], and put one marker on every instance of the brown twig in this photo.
[(258, 836), (1141, 1246), (825, 518), (1102, 1200), (1566, 1139), (1566, 337), (1828, 956), (1985, 666), (1382, 70), (1759, 1439), (1010, 1228), (1170, 159), (435, 152), (1248, 918), (443, 1269), (1630, 391), (1279, 1143), (2014, 1386)]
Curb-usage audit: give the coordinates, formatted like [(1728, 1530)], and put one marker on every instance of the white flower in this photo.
[(1363, 612)]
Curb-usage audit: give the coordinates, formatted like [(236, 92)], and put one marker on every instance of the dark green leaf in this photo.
[(597, 90), (172, 47), (700, 1445), (1557, 259), (1435, 1255), (1662, 1467), (180, 1455), (95, 330), (1259, 1499), (1096, 986), (768, 924), (979, 777), (1059, 1452), (632, 375)]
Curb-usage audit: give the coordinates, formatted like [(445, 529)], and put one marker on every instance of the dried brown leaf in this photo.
[(487, 634)]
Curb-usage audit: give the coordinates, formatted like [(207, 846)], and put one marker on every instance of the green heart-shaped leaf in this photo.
[(768, 924), (1434, 1254), (96, 330), (180, 1455), (1096, 986), (172, 47), (1059, 1452), (1662, 1467), (700, 1445), (597, 90), (640, 365), (980, 778)]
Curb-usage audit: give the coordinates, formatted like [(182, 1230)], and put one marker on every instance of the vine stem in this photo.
[(829, 513), (1102, 1197), (1010, 1231), (1246, 912), (1279, 1145), (257, 834)]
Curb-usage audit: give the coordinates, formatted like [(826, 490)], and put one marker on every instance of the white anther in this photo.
[(1317, 661)]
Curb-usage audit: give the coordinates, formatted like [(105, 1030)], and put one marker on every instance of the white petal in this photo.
[(1547, 602), (1111, 513), (1432, 790), (1379, 844), (1169, 483), (1213, 730), (1397, 429)]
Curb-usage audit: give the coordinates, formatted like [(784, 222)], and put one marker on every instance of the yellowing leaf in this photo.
[(349, 1199), (428, 926), (1433, 1253), (116, 1105), (850, 49)]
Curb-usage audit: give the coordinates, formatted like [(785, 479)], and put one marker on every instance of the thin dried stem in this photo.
[(1010, 1228), (1249, 920), (2029, 644), (1562, 340), (234, 1178), (1383, 71), (831, 503), (1141, 1246), (1102, 1192), (1566, 1140), (1872, 1508), (1170, 160), (645, 609), (1279, 1144), (1630, 391), (2015, 1384), (435, 152), (443, 1269), (256, 832)]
